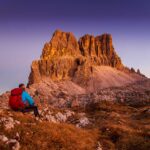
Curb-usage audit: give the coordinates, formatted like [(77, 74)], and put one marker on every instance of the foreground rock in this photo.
[(102, 125), (44, 133)]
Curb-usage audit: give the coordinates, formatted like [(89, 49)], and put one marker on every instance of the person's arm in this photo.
[(29, 99)]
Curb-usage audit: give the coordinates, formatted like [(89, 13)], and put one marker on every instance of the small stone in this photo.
[(51, 118), (99, 147), (3, 138), (61, 117), (83, 122), (9, 126), (17, 137), (14, 143), (69, 113), (10, 119), (7, 122), (17, 122)]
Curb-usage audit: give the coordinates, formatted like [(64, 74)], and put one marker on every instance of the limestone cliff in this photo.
[(65, 58), (100, 49)]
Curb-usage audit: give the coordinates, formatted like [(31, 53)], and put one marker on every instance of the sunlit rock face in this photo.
[(66, 58), (100, 50), (61, 44)]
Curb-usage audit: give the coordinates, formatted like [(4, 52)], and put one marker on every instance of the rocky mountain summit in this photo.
[(66, 58), (68, 70)]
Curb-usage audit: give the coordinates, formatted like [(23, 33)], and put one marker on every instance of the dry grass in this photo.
[(121, 127), (44, 136), (116, 126)]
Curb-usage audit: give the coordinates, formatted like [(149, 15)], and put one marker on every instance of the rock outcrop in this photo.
[(100, 49), (66, 58), (69, 69)]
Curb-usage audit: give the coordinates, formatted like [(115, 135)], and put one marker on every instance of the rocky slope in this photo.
[(100, 126)]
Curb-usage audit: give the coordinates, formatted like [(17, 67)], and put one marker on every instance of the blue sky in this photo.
[(25, 25)]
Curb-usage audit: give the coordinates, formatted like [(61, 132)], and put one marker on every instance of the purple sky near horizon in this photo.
[(25, 25)]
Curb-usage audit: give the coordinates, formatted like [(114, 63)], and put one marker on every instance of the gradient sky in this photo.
[(25, 25)]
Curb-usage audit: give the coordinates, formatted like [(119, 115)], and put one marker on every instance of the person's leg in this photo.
[(31, 108), (36, 112)]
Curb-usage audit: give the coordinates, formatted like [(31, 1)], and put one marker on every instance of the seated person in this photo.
[(20, 100)]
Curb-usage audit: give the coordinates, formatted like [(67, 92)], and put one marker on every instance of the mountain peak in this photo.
[(65, 57), (61, 44)]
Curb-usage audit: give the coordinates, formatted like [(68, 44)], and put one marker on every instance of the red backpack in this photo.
[(15, 100)]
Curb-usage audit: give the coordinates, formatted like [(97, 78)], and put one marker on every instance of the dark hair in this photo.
[(20, 85)]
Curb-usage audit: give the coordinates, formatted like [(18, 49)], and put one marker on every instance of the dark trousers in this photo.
[(31, 108)]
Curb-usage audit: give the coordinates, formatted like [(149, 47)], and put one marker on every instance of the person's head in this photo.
[(22, 86)]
